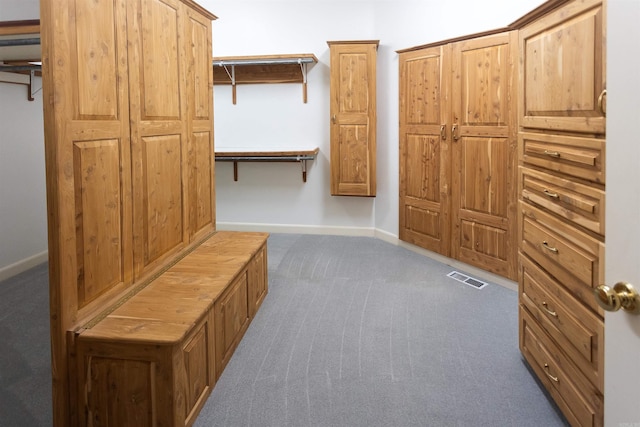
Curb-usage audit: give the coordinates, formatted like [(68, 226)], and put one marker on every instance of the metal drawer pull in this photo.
[(544, 307), (545, 244), (443, 132), (551, 153), (550, 194), (549, 375)]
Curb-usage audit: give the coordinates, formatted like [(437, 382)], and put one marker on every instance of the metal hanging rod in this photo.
[(13, 68), (275, 61), (19, 42)]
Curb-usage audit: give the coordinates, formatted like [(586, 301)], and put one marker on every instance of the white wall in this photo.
[(265, 115), (23, 228), (274, 115)]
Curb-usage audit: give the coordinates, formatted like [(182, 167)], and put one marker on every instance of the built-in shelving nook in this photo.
[(235, 70)]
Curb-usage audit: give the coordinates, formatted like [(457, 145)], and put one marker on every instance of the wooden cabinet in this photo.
[(353, 117), (458, 153), (562, 194), (128, 117)]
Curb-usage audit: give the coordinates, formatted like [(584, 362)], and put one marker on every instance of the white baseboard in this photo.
[(23, 265), (296, 229), (370, 232)]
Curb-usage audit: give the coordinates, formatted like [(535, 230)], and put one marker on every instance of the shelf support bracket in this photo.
[(303, 70), (303, 165), (232, 77), (32, 92)]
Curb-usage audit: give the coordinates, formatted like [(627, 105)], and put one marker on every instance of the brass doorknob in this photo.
[(622, 295)]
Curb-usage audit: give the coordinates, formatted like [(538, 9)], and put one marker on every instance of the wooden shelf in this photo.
[(236, 155), (235, 70)]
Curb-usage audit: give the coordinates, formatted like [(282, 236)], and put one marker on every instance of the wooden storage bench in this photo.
[(154, 358)]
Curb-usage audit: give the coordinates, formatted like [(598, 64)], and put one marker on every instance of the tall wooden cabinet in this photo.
[(128, 116), (353, 117), (562, 190), (458, 154)]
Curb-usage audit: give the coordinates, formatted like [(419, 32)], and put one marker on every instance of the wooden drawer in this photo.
[(572, 257), (576, 329), (575, 156), (576, 397), (581, 204)]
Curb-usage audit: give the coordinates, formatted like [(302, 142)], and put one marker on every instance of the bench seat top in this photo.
[(165, 310)]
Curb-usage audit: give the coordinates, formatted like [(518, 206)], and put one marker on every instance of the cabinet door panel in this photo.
[(484, 191), (563, 75), (201, 195), (158, 132), (424, 149), (231, 320)]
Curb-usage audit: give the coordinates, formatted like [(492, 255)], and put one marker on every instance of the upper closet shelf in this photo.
[(236, 70), (20, 53)]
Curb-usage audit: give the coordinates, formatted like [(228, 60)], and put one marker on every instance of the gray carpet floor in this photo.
[(354, 332)]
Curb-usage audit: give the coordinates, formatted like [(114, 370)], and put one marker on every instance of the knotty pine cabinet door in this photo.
[(484, 153), (353, 117), (563, 77), (171, 119), (425, 152), (458, 150)]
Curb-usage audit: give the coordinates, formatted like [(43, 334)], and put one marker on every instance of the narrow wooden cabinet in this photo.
[(353, 117), (458, 154), (561, 138)]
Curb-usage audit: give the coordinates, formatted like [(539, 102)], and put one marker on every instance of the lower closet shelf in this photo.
[(236, 154)]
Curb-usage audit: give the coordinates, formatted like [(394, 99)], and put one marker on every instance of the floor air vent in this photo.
[(478, 284)]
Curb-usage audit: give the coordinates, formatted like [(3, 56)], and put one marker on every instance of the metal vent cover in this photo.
[(468, 280)]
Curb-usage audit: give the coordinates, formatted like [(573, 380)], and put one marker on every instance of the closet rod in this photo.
[(19, 42), (283, 61), (12, 68)]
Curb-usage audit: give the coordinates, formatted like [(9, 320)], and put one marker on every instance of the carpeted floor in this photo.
[(354, 332), (359, 332)]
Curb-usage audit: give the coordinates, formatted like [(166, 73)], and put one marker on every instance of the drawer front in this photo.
[(573, 258), (576, 329), (574, 156), (578, 203), (578, 399)]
